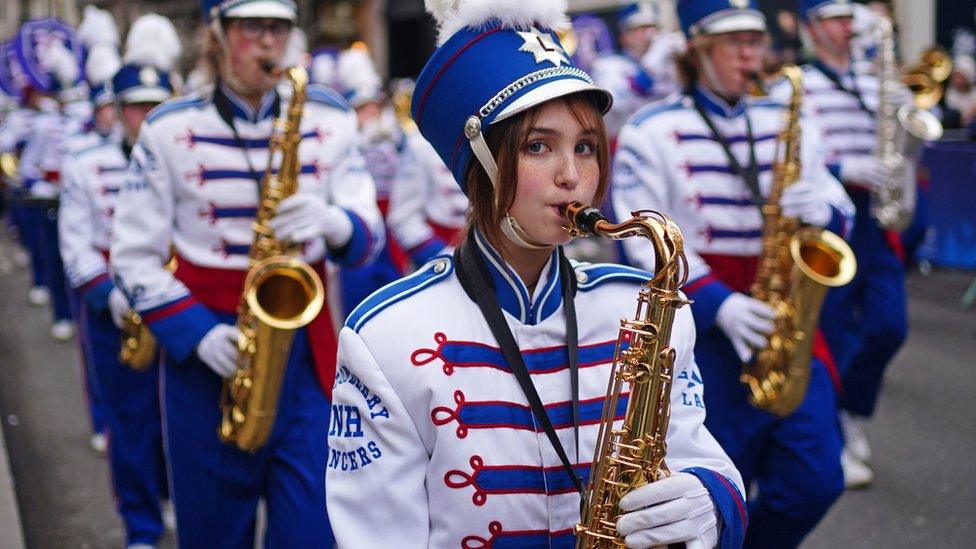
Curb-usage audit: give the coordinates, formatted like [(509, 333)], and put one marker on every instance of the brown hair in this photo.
[(687, 61), (506, 139)]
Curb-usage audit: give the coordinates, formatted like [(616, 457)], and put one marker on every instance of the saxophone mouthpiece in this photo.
[(582, 218), (270, 67)]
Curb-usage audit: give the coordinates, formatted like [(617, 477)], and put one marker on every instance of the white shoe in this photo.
[(99, 444), (857, 474), (169, 514), (854, 438), (141, 546), (38, 295), (63, 330)]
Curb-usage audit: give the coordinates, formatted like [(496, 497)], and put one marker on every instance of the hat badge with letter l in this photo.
[(701, 17), (496, 58)]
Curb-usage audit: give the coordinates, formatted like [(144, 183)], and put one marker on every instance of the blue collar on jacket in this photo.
[(512, 294), (714, 104), (242, 109)]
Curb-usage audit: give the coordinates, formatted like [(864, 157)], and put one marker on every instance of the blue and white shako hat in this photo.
[(825, 9), (239, 9), (496, 58), (637, 14), (700, 17), (358, 80), (100, 36), (151, 50)]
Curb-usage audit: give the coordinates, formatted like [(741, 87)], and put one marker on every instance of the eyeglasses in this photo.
[(743, 41), (252, 29)]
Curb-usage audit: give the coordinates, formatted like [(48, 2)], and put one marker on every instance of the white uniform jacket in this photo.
[(15, 129), (193, 186), (44, 152), (845, 128), (668, 160), (426, 204), (91, 180), (432, 442), (631, 84)]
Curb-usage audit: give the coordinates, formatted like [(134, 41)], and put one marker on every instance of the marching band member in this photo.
[(704, 157), (193, 187), (432, 441), (50, 56), (643, 70), (427, 209), (379, 143), (866, 322), (93, 177)]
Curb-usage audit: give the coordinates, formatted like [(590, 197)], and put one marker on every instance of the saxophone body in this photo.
[(138, 348), (901, 131), (281, 294), (797, 265), (632, 455)]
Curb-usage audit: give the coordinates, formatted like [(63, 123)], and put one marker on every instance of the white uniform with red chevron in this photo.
[(193, 185), (668, 161), (91, 179), (430, 426)]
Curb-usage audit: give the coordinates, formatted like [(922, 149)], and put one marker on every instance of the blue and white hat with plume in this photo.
[(496, 58)]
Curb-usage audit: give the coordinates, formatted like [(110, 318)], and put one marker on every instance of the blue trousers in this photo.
[(216, 487), (27, 222), (48, 257), (795, 461), (357, 284), (866, 321), (131, 405), (92, 393)]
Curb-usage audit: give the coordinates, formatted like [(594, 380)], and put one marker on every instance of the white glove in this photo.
[(218, 349), (304, 216), (747, 322), (671, 510), (118, 305), (44, 189), (804, 201), (863, 170)]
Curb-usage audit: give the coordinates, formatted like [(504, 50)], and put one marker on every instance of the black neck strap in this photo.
[(836, 81), (226, 112), (750, 174), (476, 281)]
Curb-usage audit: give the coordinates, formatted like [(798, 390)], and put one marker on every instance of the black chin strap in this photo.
[(476, 281)]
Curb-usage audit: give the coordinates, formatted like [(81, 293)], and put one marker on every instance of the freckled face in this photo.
[(558, 164)]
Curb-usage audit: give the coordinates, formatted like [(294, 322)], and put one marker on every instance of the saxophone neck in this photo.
[(662, 232)]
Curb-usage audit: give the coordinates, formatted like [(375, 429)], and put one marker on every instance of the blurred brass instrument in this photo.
[(632, 455), (796, 268), (900, 133), (9, 166), (926, 79), (402, 97), (281, 294), (139, 346)]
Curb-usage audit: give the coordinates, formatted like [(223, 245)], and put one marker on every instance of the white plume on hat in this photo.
[(60, 62), (98, 27), (102, 63), (357, 73), (454, 15), (323, 69), (153, 41)]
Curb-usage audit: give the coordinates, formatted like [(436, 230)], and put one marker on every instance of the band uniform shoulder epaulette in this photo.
[(431, 273), (651, 110), (592, 275), (101, 143), (318, 93), (176, 104)]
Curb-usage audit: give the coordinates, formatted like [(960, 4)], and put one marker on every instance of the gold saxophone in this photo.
[(632, 455), (796, 267), (281, 294), (139, 345)]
